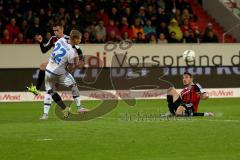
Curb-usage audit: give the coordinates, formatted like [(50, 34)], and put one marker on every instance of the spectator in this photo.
[(42, 17), (77, 17), (136, 28), (178, 16), (126, 36), (141, 15), (114, 15), (162, 15), (211, 37), (162, 38), (153, 39), (186, 25), (128, 13), (12, 28), (6, 37), (163, 28), (129, 17), (89, 16), (112, 29), (20, 39), (101, 32), (173, 38), (124, 26), (208, 29), (189, 38), (99, 39), (36, 28), (148, 28), (103, 16), (174, 27), (86, 37), (24, 28), (140, 38), (135, 5), (185, 14), (29, 16), (113, 37), (150, 14)]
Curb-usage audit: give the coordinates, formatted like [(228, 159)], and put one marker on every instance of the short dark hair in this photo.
[(189, 74), (57, 23)]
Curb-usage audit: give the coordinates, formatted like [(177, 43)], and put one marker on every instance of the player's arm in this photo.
[(73, 63), (44, 47), (199, 90), (80, 56)]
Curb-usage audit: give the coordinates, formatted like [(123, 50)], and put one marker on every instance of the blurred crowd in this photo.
[(141, 21)]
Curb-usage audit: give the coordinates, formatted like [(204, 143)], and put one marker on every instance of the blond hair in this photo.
[(75, 34)]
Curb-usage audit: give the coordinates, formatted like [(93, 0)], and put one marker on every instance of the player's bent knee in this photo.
[(171, 91), (47, 99), (75, 91), (50, 92), (180, 111)]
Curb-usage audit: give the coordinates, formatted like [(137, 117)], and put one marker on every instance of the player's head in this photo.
[(58, 29), (187, 78), (75, 37)]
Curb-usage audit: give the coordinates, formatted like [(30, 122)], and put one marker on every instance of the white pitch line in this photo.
[(45, 139)]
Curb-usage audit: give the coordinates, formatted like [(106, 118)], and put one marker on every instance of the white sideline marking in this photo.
[(45, 139), (218, 120), (170, 120)]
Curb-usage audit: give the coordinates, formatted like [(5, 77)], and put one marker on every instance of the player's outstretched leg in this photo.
[(40, 79), (32, 89)]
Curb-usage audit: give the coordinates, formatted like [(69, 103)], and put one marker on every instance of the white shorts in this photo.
[(51, 80)]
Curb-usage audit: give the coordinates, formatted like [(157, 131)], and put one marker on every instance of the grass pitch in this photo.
[(126, 133)]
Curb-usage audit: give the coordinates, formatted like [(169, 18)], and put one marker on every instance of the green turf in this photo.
[(115, 137)]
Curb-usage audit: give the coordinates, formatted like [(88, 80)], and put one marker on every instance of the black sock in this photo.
[(40, 79), (170, 104), (58, 100), (198, 114)]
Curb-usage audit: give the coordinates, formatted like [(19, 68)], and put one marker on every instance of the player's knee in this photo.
[(75, 91), (180, 111), (47, 99), (171, 91), (50, 92)]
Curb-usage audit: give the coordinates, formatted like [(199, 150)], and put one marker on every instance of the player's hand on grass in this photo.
[(38, 38)]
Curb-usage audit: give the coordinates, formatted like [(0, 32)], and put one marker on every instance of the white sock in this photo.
[(206, 114), (47, 103), (78, 102), (46, 109)]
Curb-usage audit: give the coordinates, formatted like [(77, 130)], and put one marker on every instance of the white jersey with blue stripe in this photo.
[(62, 55)]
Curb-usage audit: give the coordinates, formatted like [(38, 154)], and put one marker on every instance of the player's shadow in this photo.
[(103, 108)]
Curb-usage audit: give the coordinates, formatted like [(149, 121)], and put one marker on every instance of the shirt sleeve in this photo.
[(198, 88), (46, 47)]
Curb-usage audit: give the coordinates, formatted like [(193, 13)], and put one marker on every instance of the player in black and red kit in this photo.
[(58, 30), (186, 103)]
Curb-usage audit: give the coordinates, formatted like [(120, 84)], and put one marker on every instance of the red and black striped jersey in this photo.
[(190, 95)]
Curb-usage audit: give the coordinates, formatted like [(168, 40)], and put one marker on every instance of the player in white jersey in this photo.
[(64, 57)]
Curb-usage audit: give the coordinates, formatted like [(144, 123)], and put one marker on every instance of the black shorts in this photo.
[(189, 108)]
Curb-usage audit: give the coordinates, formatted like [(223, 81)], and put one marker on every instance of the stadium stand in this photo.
[(148, 21)]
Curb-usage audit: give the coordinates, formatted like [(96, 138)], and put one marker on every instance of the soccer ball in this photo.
[(189, 55)]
